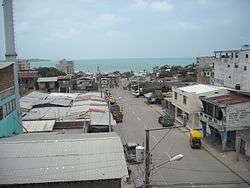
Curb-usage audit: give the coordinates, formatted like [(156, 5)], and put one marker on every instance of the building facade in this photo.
[(225, 116), (23, 65), (205, 72), (232, 69), (186, 103), (65, 66), (28, 79), (47, 83), (10, 121)]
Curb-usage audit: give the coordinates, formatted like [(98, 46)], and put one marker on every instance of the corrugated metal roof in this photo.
[(4, 65), (47, 79), (38, 126), (89, 102), (229, 99), (54, 157), (46, 113), (100, 118)]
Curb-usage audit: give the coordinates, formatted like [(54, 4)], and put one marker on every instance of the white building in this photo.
[(65, 66), (23, 64), (187, 104), (228, 116), (232, 69)]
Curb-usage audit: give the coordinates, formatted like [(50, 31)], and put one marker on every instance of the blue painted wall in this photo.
[(11, 124)]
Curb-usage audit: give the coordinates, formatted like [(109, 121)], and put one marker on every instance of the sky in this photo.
[(93, 29)]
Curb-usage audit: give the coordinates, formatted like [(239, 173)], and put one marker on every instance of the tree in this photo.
[(49, 72)]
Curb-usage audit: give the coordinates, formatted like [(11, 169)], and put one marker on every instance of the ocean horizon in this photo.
[(118, 64)]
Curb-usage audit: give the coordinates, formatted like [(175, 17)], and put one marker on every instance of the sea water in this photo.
[(122, 65)]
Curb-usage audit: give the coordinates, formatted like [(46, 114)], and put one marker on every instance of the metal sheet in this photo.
[(54, 157)]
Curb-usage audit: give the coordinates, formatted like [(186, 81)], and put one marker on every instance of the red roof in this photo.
[(168, 78), (28, 74), (230, 99)]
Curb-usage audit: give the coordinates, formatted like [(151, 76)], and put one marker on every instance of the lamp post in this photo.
[(148, 156)]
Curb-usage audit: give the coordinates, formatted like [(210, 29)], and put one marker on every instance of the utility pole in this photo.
[(148, 155), (147, 161), (110, 129), (100, 79)]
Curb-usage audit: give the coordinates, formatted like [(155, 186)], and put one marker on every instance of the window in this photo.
[(245, 68), (236, 55), (1, 113), (229, 76), (175, 95), (13, 105), (236, 66), (246, 55), (184, 99), (228, 65)]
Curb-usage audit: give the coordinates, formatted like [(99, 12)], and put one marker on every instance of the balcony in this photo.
[(7, 92), (218, 124)]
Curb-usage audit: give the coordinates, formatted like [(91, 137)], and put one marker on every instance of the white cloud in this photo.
[(161, 6), (110, 19), (66, 34), (154, 5), (188, 25), (115, 33)]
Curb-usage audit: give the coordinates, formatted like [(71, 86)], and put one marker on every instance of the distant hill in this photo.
[(32, 60), (38, 60)]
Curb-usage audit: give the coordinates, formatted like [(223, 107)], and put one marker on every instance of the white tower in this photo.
[(10, 54)]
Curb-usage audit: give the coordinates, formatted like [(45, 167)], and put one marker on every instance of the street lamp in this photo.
[(174, 158)]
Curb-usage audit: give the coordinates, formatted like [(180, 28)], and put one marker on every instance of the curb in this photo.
[(206, 148)]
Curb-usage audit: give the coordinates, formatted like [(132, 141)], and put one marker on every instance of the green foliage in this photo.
[(128, 74), (165, 74), (117, 73), (49, 72)]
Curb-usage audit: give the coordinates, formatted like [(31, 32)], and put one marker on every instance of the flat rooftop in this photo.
[(57, 157), (201, 88)]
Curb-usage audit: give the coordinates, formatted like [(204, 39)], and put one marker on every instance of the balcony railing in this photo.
[(7, 92), (212, 121)]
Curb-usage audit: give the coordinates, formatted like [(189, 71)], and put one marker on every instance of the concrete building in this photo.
[(225, 116), (232, 69), (86, 84), (205, 70), (23, 65), (28, 79), (66, 66), (47, 83), (66, 83), (66, 160), (10, 121), (187, 104)]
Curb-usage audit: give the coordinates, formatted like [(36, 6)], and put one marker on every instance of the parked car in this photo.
[(166, 120)]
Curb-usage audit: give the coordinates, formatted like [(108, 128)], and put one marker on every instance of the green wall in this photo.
[(11, 124)]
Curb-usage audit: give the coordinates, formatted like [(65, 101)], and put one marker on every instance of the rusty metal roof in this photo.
[(230, 99)]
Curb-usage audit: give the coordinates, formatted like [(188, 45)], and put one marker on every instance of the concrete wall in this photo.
[(193, 104), (243, 135), (226, 74), (114, 183), (238, 116), (204, 67), (11, 124)]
